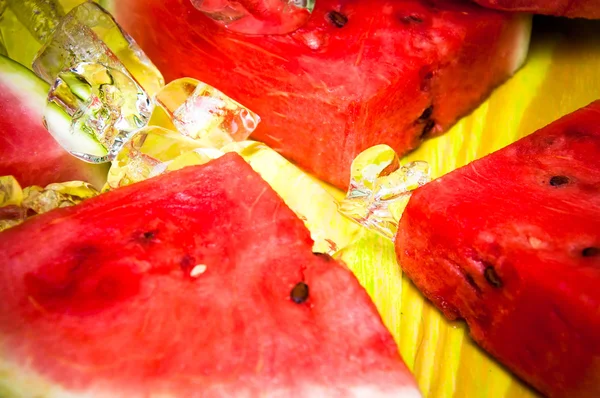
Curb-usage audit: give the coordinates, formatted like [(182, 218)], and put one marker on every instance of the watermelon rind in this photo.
[(58, 123), (28, 87), (33, 91), (522, 40)]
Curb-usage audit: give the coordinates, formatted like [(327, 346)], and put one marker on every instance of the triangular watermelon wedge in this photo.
[(511, 244), (197, 283), (27, 150)]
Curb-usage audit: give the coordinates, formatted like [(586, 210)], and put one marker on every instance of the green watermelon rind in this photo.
[(23, 83), (58, 123), (33, 92)]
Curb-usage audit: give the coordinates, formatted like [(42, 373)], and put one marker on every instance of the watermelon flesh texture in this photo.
[(106, 299), (27, 151), (511, 243), (589, 9), (357, 74)]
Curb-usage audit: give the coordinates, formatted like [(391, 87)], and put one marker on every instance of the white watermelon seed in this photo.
[(198, 270)]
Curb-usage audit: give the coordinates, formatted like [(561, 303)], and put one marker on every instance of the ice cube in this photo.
[(18, 43), (40, 17), (105, 107), (54, 196), (90, 34), (380, 189), (11, 193), (11, 196), (149, 153), (11, 216), (202, 112), (17, 204), (258, 17)]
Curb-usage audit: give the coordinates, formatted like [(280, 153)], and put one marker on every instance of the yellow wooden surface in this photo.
[(562, 73)]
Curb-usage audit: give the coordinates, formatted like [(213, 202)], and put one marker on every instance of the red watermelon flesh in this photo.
[(566, 8), (511, 243), (181, 286), (27, 150), (358, 73)]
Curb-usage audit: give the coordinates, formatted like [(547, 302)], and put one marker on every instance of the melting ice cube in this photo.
[(53, 196), (11, 196), (10, 191), (153, 151), (90, 34), (258, 17), (40, 17), (202, 112), (11, 213), (94, 109), (17, 204), (380, 189), (205, 120)]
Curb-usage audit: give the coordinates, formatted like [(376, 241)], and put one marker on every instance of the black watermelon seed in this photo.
[(427, 128), (472, 283), (146, 237), (337, 18), (591, 252), (299, 293), (557, 181), (426, 113), (407, 19), (492, 277)]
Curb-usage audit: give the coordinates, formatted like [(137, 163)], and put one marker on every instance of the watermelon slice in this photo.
[(566, 8), (358, 73), (200, 282), (27, 150), (511, 243)]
